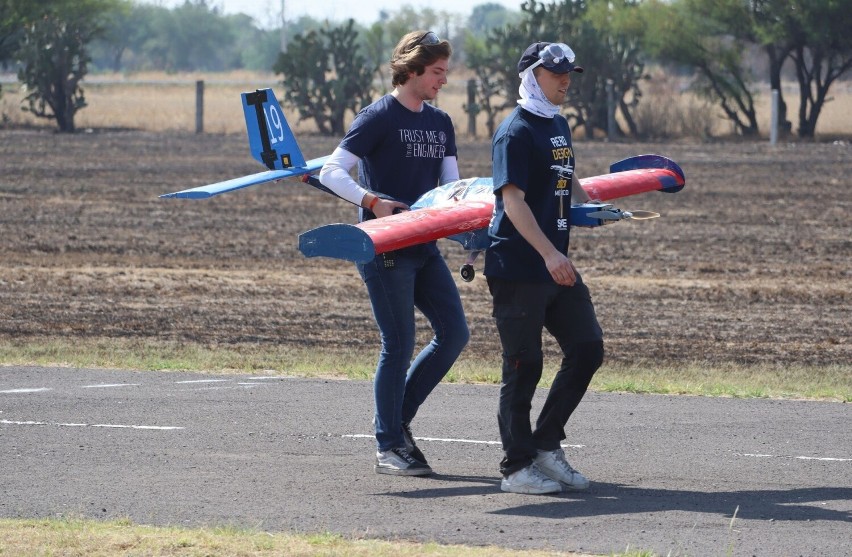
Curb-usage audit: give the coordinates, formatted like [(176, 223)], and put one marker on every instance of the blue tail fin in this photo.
[(270, 139)]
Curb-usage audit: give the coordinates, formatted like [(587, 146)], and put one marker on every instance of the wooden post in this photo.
[(471, 107), (610, 110), (773, 124), (199, 106)]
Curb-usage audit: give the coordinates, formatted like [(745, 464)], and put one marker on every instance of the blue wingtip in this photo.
[(652, 161), (338, 241), (204, 192), (188, 194)]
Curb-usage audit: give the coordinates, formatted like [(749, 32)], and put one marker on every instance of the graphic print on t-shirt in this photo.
[(562, 153), (424, 144)]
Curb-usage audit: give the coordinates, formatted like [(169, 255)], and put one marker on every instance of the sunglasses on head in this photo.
[(429, 38), (553, 54)]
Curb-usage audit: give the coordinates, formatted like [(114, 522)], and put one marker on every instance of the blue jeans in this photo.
[(417, 277)]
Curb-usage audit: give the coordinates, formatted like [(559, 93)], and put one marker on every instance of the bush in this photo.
[(667, 111)]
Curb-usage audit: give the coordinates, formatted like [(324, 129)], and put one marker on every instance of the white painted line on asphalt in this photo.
[(203, 381), (819, 458), (34, 390), (110, 385), (473, 441), (227, 387), (449, 440), (120, 426)]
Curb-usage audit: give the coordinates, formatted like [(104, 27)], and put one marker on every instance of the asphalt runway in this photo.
[(677, 475)]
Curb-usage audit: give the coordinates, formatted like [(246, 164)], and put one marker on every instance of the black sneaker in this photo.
[(410, 445), (398, 462)]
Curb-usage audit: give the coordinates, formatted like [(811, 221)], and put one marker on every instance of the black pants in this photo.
[(522, 312)]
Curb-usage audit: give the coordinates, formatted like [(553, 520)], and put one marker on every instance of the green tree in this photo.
[(147, 39), (11, 29), (813, 35), (494, 62), (258, 49), (377, 50), (611, 36), (408, 19), (488, 16), (197, 37), (821, 56), (14, 15), (192, 36), (54, 57), (711, 37), (606, 37), (771, 29), (122, 29), (325, 76)]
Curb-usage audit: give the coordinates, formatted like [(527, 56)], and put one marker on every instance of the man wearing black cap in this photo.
[(532, 279)]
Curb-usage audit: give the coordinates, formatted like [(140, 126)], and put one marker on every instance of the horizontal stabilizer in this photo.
[(203, 192)]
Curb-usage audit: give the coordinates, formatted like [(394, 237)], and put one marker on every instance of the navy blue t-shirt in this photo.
[(401, 151), (535, 154)]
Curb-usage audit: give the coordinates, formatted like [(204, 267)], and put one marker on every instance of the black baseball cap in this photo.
[(555, 57)]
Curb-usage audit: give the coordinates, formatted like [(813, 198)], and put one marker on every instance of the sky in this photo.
[(267, 12)]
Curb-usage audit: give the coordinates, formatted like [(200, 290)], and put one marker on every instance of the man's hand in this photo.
[(558, 264), (578, 194), (561, 268), (387, 207)]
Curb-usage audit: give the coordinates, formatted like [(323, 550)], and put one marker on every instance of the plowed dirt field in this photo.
[(750, 263)]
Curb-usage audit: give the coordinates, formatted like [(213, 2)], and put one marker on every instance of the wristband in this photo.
[(373, 203)]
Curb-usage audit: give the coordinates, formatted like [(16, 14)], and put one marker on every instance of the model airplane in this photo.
[(459, 211)]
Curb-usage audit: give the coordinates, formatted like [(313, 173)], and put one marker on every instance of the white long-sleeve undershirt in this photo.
[(335, 175)]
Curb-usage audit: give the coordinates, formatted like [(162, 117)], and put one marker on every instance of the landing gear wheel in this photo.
[(467, 272)]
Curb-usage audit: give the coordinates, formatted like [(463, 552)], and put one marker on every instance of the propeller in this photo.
[(617, 214), (643, 215)]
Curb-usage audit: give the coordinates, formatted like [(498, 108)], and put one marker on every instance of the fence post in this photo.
[(471, 107), (773, 124), (610, 110), (199, 106)]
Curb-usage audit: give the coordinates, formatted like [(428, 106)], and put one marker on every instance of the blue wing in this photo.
[(271, 142), (203, 192)]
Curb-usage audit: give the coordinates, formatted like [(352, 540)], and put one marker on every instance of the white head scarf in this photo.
[(533, 99)]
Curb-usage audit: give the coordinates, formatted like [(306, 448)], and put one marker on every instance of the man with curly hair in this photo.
[(403, 147)]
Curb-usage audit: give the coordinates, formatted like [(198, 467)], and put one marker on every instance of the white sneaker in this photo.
[(398, 462), (529, 480), (554, 466)]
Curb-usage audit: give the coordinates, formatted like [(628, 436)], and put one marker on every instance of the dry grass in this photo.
[(835, 118), (89, 538), (641, 376), (161, 102)]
